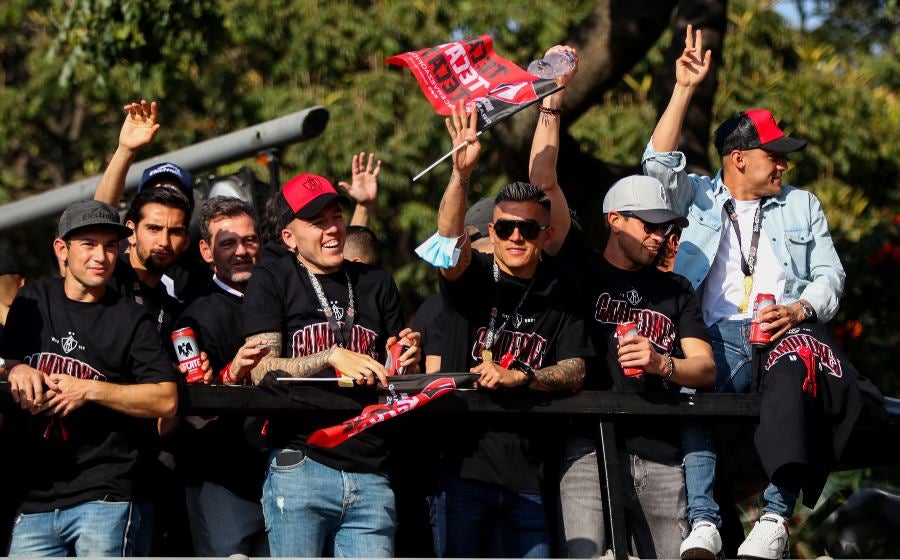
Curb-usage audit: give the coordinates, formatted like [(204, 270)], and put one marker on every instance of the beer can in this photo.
[(625, 331), (185, 342), (759, 337), (392, 363)]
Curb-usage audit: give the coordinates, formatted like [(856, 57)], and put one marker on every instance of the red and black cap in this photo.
[(305, 196), (753, 129)]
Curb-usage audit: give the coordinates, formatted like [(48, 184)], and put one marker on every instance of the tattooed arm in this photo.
[(566, 375), (359, 367)]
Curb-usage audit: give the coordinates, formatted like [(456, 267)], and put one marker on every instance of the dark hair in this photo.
[(270, 226), (521, 191), (164, 196), (362, 243), (221, 207), (738, 132)]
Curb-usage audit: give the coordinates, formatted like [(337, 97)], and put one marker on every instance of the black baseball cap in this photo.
[(8, 265), (85, 213), (753, 129)]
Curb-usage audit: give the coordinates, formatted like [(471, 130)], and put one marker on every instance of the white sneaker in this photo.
[(704, 542), (768, 539)]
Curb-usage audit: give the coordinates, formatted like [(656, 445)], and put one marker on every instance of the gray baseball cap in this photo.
[(85, 213), (643, 196), (479, 215)]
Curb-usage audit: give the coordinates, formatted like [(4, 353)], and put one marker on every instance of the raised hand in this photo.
[(565, 78), (464, 128), (140, 125), (364, 179), (693, 64)]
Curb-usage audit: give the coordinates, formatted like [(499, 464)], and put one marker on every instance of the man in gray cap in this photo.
[(90, 367), (670, 350)]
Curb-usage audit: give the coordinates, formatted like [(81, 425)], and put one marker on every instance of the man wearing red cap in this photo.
[(749, 234), (322, 316)]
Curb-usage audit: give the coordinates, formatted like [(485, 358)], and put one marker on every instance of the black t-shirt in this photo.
[(665, 308), (428, 321), (280, 298), (546, 328), (94, 452), (163, 308), (220, 452)]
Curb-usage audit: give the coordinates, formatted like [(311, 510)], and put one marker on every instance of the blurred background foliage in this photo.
[(831, 76)]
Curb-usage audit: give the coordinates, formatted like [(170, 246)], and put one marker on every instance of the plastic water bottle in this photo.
[(554, 65)]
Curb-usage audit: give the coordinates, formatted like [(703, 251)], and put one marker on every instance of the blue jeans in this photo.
[(654, 504), (223, 523), (90, 529), (733, 353), (473, 519), (313, 510)]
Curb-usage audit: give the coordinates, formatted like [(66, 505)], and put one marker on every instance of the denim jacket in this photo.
[(793, 221)]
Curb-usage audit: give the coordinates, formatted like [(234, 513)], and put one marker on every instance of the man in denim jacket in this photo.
[(791, 256)]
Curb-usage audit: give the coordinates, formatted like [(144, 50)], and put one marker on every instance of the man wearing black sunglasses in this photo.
[(513, 321)]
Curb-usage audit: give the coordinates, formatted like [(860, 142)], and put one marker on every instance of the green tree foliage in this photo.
[(68, 66)]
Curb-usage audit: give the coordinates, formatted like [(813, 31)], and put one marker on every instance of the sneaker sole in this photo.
[(697, 554)]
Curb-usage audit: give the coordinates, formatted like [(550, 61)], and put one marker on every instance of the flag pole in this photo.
[(443, 157)]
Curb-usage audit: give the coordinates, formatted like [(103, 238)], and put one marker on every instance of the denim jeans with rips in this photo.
[(96, 528), (654, 504), (314, 510)]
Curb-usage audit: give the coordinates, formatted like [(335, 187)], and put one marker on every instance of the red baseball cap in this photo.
[(755, 128), (306, 195)]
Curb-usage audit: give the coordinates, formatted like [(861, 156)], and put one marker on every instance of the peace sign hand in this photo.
[(693, 65)]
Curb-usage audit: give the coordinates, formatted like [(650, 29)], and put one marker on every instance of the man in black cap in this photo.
[(748, 235), (89, 367)]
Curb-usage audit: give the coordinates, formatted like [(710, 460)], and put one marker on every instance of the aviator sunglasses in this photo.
[(664, 229), (529, 229)]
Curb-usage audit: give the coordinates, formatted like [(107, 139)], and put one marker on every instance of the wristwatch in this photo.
[(808, 312), (529, 373)]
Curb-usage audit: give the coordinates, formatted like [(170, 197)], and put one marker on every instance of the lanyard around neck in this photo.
[(339, 338), (748, 264), (491, 336)]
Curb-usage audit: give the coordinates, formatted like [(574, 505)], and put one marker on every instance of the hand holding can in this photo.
[(185, 342), (758, 336), (624, 331)]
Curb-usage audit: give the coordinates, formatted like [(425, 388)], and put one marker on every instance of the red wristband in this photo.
[(225, 375)]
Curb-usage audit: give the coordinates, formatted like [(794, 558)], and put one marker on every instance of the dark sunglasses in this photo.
[(529, 229), (663, 229)]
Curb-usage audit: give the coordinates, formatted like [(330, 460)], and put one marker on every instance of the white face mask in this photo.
[(439, 251)]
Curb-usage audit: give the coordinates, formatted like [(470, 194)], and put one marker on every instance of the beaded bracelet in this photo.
[(549, 111)]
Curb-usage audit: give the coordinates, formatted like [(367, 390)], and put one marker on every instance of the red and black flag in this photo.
[(404, 393), (470, 70)]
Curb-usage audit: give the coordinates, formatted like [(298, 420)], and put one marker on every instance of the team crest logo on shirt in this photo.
[(633, 296), (68, 343), (517, 320)]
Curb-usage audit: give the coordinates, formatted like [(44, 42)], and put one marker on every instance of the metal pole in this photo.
[(302, 125)]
